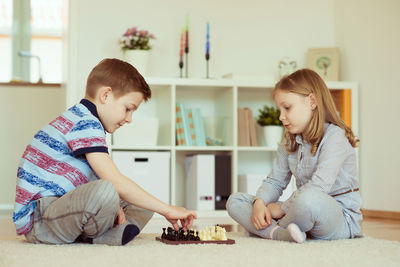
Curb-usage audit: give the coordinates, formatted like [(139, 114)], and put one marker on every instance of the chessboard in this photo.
[(210, 235)]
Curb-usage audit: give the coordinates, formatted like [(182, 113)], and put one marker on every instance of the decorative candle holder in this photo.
[(181, 69), (207, 69), (186, 61), (207, 50)]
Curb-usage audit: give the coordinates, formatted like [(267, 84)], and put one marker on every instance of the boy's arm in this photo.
[(129, 191)]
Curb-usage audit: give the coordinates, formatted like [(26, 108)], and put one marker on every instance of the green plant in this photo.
[(134, 39), (268, 116)]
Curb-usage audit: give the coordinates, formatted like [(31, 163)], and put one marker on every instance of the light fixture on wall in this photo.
[(24, 53)]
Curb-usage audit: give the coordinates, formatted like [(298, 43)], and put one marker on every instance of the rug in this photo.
[(248, 251)]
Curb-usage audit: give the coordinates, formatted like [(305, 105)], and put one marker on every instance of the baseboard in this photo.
[(381, 214)]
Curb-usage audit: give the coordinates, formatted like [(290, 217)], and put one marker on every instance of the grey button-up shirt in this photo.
[(333, 170)]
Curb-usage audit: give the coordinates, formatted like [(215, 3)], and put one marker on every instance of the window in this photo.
[(46, 42), (5, 39)]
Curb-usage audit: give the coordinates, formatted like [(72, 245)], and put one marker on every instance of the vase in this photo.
[(139, 59), (273, 135)]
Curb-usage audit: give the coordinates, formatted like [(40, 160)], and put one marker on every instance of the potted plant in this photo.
[(135, 44), (268, 118)]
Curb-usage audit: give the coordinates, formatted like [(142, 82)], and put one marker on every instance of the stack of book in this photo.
[(246, 128), (189, 126)]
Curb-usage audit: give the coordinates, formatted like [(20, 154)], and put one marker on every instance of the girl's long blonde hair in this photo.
[(305, 82)]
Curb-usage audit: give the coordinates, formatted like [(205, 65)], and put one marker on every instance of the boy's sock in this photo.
[(119, 235), (291, 234)]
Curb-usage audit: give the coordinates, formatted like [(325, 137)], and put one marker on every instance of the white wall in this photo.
[(23, 111), (369, 39), (246, 36)]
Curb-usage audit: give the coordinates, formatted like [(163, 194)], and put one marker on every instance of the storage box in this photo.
[(249, 183), (150, 170), (140, 132)]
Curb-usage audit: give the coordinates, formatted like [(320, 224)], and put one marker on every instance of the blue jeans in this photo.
[(316, 213)]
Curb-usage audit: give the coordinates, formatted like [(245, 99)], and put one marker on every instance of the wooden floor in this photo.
[(377, 228)]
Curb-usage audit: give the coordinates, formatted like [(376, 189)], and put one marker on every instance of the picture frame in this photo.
[(324, 61)]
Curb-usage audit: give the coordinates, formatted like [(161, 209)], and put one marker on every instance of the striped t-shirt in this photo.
[(54, 162)]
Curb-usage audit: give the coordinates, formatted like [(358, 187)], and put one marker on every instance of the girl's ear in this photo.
[(313, 101), (104, 94)]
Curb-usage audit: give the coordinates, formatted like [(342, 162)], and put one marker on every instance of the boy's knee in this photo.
[(104, 195)]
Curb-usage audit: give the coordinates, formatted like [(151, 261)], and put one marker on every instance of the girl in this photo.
[(318, 150)]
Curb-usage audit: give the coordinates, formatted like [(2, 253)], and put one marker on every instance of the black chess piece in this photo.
[(164, 235), (181, 233), (176, 235), (170, 234), (191, 235)]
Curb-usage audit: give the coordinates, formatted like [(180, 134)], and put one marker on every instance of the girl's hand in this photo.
[(261, 217), (276, 210), (185, 216), (120, 217)]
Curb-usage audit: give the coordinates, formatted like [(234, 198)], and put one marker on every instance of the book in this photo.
[(199, 127), (243, 132), (252, 128), (191, 127), (180, 137), (186, 125), (183, 127)]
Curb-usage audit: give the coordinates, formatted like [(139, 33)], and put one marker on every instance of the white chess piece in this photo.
[(223, 234)]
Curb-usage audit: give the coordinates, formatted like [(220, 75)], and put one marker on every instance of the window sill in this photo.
[(29, 84)]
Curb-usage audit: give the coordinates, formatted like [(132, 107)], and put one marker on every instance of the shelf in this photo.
[(147, 148), (204, 148), (218, 100), (255, 148)]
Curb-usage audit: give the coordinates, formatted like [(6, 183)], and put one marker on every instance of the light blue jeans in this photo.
[(316, 213)]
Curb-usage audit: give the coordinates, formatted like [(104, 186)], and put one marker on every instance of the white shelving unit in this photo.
[(218, 101)]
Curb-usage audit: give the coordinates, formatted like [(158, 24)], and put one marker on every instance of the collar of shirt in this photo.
[(91, 107), (299, 137)]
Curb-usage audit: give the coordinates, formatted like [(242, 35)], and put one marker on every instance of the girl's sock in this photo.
[(119, 235), (291, 234)]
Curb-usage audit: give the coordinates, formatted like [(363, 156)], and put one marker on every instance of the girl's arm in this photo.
[(272, 187)]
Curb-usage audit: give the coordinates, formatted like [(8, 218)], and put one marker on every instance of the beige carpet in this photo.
[(248, 251)]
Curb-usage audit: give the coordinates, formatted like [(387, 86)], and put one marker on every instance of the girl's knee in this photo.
[(307, 197), (233, 199)]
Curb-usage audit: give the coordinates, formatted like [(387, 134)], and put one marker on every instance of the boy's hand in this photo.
[(261, 216), (185, 216), (276, 210), (120, 217)]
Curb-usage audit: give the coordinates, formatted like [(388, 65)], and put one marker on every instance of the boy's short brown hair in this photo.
[(121, 76)]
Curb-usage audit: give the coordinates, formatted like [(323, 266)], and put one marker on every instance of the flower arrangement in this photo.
[(268, 116), (134, 39)]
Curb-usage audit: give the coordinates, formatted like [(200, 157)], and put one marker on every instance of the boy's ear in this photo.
[(313, 101), (104, 94)]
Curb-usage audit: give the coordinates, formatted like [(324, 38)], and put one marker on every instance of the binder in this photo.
[(223, 180), (200, 179)]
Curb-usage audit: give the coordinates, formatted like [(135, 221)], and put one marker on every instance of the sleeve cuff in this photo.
[(85, 150)]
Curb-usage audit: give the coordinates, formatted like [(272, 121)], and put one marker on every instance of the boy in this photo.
[(68, 187)]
